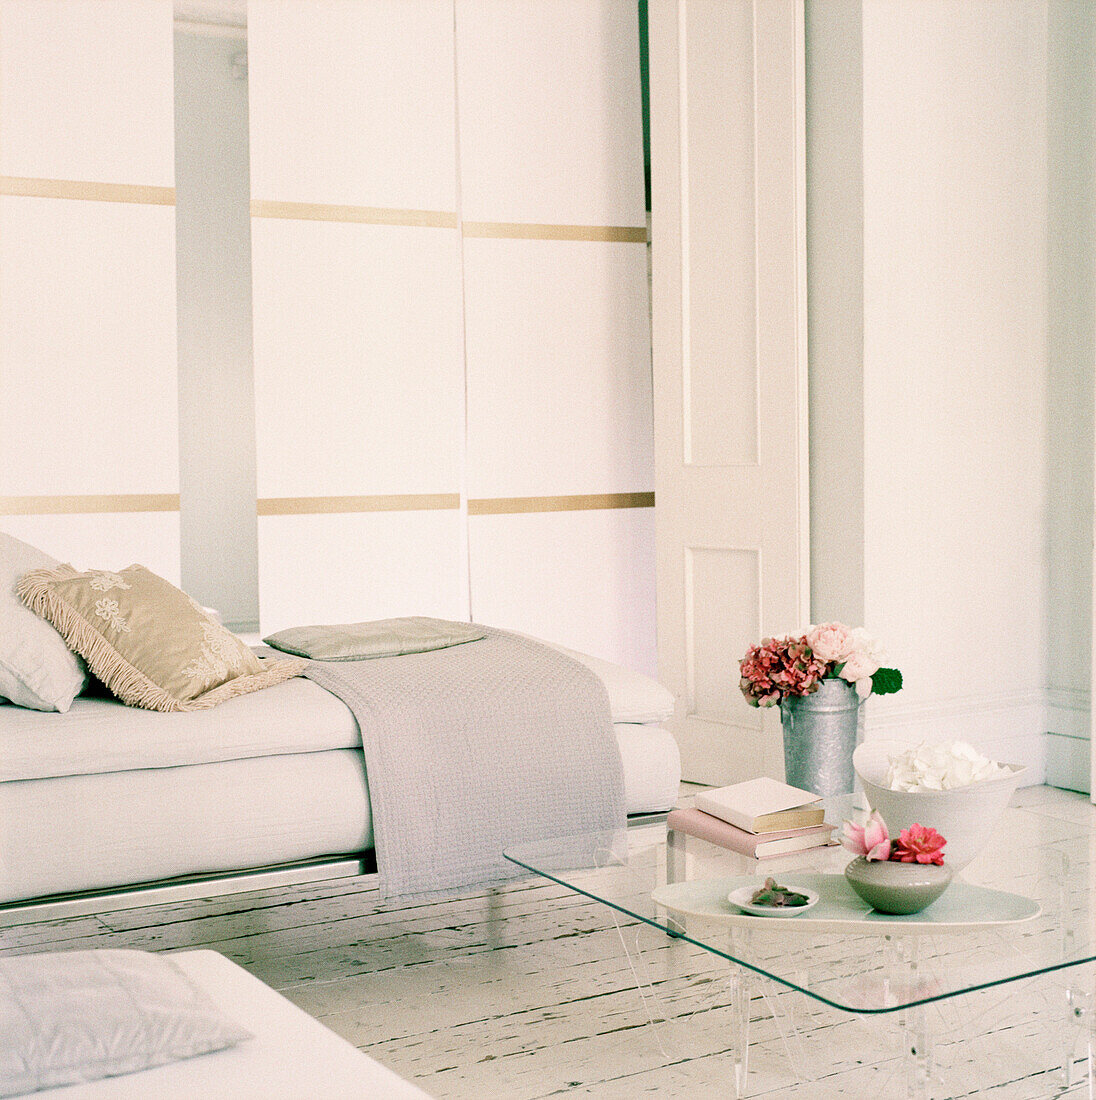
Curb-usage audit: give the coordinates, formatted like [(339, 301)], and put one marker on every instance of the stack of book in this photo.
[(760, 818)]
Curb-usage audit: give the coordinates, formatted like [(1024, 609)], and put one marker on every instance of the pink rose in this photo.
[(919, 844), (870, 840), (863, 661), (830, 641)]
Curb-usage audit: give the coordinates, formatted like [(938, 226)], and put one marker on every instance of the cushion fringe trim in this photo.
[(124, 680)]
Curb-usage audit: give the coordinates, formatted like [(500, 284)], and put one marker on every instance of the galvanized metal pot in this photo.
[(820, 736)]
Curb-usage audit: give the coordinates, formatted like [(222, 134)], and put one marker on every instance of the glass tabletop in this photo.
[(1022, 908)]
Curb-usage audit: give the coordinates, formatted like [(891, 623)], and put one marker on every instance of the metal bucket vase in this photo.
[(819, 738)]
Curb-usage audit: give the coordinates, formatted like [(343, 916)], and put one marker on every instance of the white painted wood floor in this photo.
[(550, 1007)]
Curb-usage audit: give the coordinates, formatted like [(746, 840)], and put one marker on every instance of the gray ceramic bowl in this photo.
[(898, 888)]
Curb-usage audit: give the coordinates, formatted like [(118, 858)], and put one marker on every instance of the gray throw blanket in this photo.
[(474, 748)]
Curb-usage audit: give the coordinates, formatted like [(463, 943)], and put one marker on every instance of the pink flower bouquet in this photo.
[(779, 668), (917, 844)]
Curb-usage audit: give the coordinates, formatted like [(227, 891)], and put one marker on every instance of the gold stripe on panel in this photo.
[(79, 505), (313, 506), (303, 506), (365, 215), (503, 506), (85, 189), (529, 231)]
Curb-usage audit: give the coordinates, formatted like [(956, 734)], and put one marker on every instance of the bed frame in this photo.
[(212, 885)]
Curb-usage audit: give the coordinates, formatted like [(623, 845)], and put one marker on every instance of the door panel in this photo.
[(727, 117)]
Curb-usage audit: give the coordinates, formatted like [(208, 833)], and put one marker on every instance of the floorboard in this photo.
[(552, 1008)]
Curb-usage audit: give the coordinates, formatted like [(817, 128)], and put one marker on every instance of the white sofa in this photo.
[(107, 797)]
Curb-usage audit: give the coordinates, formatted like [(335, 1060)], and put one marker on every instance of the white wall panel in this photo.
[(87, 348), (86, 90), (104, 540), (550, 124), (358, 372), (357, 325), (582, 579), (352, 102), (354, 567), (87, 288), (559, 368), (722, 386)]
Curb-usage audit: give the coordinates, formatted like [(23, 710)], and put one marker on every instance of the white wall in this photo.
[(955, 179), (1071, 350), (413, 378), (956, 447)]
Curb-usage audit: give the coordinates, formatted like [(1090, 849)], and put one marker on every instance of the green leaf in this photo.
[(886, 681)]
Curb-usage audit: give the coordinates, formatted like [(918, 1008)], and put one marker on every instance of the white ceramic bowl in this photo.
[(965, 816)]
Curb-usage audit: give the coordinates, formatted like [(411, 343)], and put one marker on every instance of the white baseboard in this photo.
[(1069, 713), (1068, 763), (1069, 728), (1009, 728)]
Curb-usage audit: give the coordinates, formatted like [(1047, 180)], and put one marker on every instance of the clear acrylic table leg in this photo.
[(740, 1016), (1079, 1032), (901, 962), (675, 872)]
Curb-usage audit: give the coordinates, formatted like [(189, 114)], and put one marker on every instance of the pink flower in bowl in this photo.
[(870, 840), (919, 844)]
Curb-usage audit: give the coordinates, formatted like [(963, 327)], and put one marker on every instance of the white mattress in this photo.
[(290, 1056), (298, 716), (103, 735), (88, 832)]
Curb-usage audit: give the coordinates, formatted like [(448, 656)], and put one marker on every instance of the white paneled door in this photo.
[(730, 363)]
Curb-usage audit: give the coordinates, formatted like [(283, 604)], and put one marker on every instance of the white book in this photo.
[(762, 805)]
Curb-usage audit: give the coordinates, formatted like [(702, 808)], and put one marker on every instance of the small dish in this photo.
[(741, 899)]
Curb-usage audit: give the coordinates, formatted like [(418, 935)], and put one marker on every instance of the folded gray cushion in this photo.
[(381, 638), (75, 1016)]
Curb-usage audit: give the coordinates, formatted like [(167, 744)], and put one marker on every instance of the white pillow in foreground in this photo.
[(73, 1016)]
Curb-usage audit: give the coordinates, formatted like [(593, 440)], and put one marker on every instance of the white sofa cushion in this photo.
[(633, 697), (37, 669), (100, 735)]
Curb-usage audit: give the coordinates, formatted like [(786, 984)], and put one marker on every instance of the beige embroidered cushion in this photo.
[(150, 643)]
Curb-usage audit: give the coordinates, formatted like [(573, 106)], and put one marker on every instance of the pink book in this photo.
[(758, 845)]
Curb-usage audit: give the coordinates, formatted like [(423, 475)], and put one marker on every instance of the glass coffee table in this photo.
[(1005, 948)]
